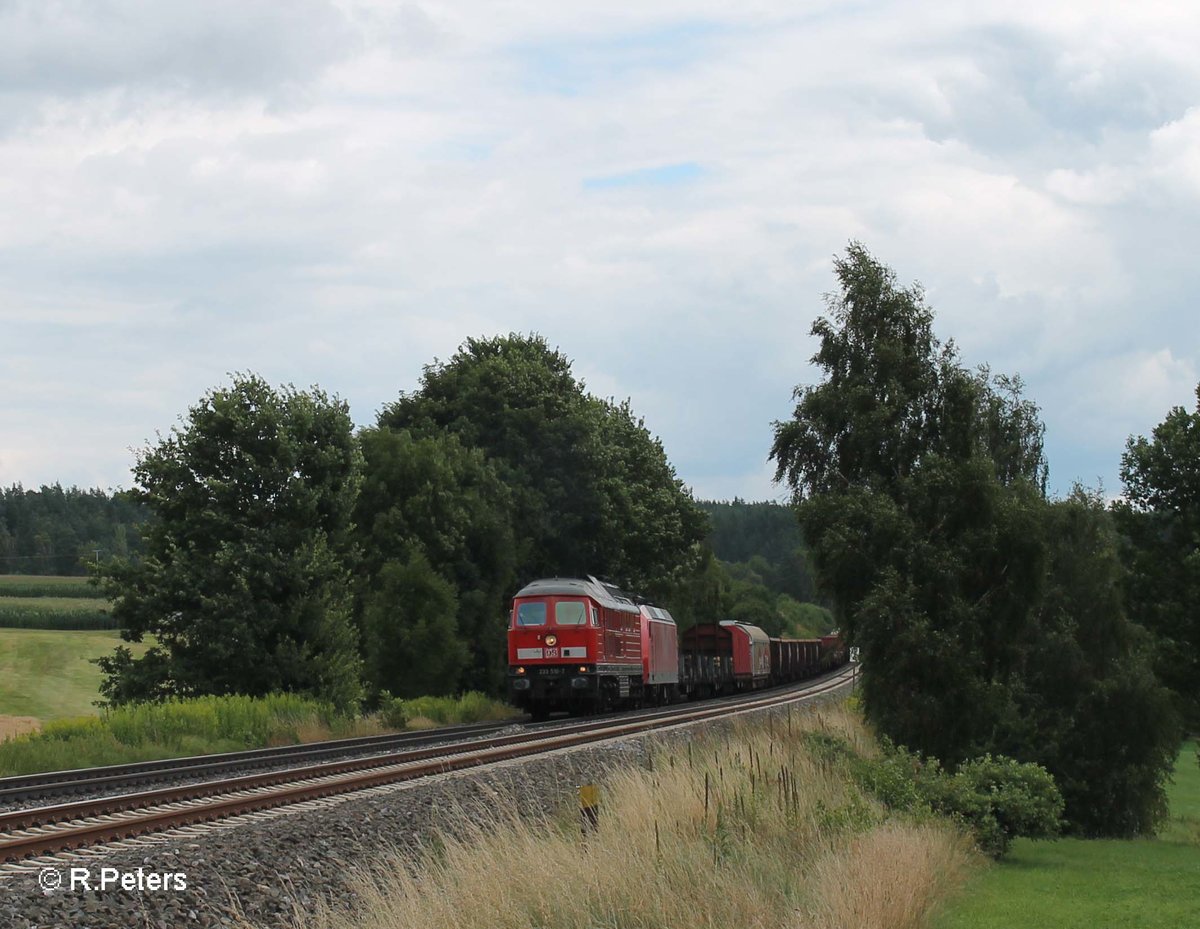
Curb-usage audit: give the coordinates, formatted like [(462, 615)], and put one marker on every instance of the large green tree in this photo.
[(920, 489), (914, 484), (592, 490), (1092, 710), (1160, 520), (410, 629), (244, 584), (431, 507)]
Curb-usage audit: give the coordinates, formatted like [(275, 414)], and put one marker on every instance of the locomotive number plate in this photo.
[(552, 653)]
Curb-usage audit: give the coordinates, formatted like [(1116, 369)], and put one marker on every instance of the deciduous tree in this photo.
[(435, 507), (1160, 520), (244, 584), (592, 490), (986, 615)]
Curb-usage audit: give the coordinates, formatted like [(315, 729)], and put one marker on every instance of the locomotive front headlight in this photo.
[(583, 669), (552, 640), (520, 670)]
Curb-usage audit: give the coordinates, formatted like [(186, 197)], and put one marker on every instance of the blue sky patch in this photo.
[(661, 176), (576, 66)]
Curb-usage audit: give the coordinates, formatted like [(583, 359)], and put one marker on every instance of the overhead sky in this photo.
[(337, 193)]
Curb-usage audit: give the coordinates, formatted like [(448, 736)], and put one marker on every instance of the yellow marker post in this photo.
[(589, 807)]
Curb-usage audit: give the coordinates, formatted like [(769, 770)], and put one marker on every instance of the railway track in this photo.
[(60, 827), (100, 779)]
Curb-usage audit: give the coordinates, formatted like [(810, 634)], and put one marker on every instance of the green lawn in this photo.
[(47, 673), (1097, 884)]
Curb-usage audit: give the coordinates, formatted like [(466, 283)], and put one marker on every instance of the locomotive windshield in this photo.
[(531, 614), (570, 613)]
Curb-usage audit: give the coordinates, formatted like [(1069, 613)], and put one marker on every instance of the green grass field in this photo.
[(1096, 884), (47, 674)]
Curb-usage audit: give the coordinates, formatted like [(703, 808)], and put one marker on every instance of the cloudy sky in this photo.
[(340, 192)]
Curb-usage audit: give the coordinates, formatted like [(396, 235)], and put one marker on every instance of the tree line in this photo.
[(54, 530), (991, 618), (765, 577)]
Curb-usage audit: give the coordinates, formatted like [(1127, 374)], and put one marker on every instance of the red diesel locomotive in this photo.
[(583, 645)]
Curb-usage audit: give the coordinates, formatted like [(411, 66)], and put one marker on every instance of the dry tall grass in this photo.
[(744, 829), (890, 877)]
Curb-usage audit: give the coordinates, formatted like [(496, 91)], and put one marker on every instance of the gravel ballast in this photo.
[(272, 866)]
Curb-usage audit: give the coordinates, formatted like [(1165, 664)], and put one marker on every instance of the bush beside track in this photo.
[(427, 712)]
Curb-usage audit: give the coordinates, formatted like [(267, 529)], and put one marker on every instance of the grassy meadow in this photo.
[(48, 674), (1098, 883), (51, 630)]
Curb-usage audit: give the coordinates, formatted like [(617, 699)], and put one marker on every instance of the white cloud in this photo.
[(1175, 150), (339, 194)]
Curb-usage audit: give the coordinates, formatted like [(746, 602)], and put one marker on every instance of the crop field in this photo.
[(35, 585), (1098, 883), (28, 602)]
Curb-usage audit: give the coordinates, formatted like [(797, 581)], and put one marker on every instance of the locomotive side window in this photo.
[(531, 614), (570, 613), (595, 617)]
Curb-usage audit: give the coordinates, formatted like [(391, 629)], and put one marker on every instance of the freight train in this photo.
[(581, 645)]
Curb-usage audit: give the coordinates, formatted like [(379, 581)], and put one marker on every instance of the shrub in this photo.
[(995, 798), (892, 780), (471, 707), (392, 711), (1023, 798)]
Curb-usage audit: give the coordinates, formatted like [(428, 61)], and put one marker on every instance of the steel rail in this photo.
[(74, 825), (79, 780)]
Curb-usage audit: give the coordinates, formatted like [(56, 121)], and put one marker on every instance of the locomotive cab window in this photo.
[(531, 614), (570, 613), (595, 617)]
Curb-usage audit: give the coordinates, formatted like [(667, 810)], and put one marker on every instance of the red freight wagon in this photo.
[(574, 644), (660, 654), (725, 656), (751, 654)]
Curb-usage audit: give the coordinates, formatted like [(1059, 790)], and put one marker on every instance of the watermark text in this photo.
[(92, 880)]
